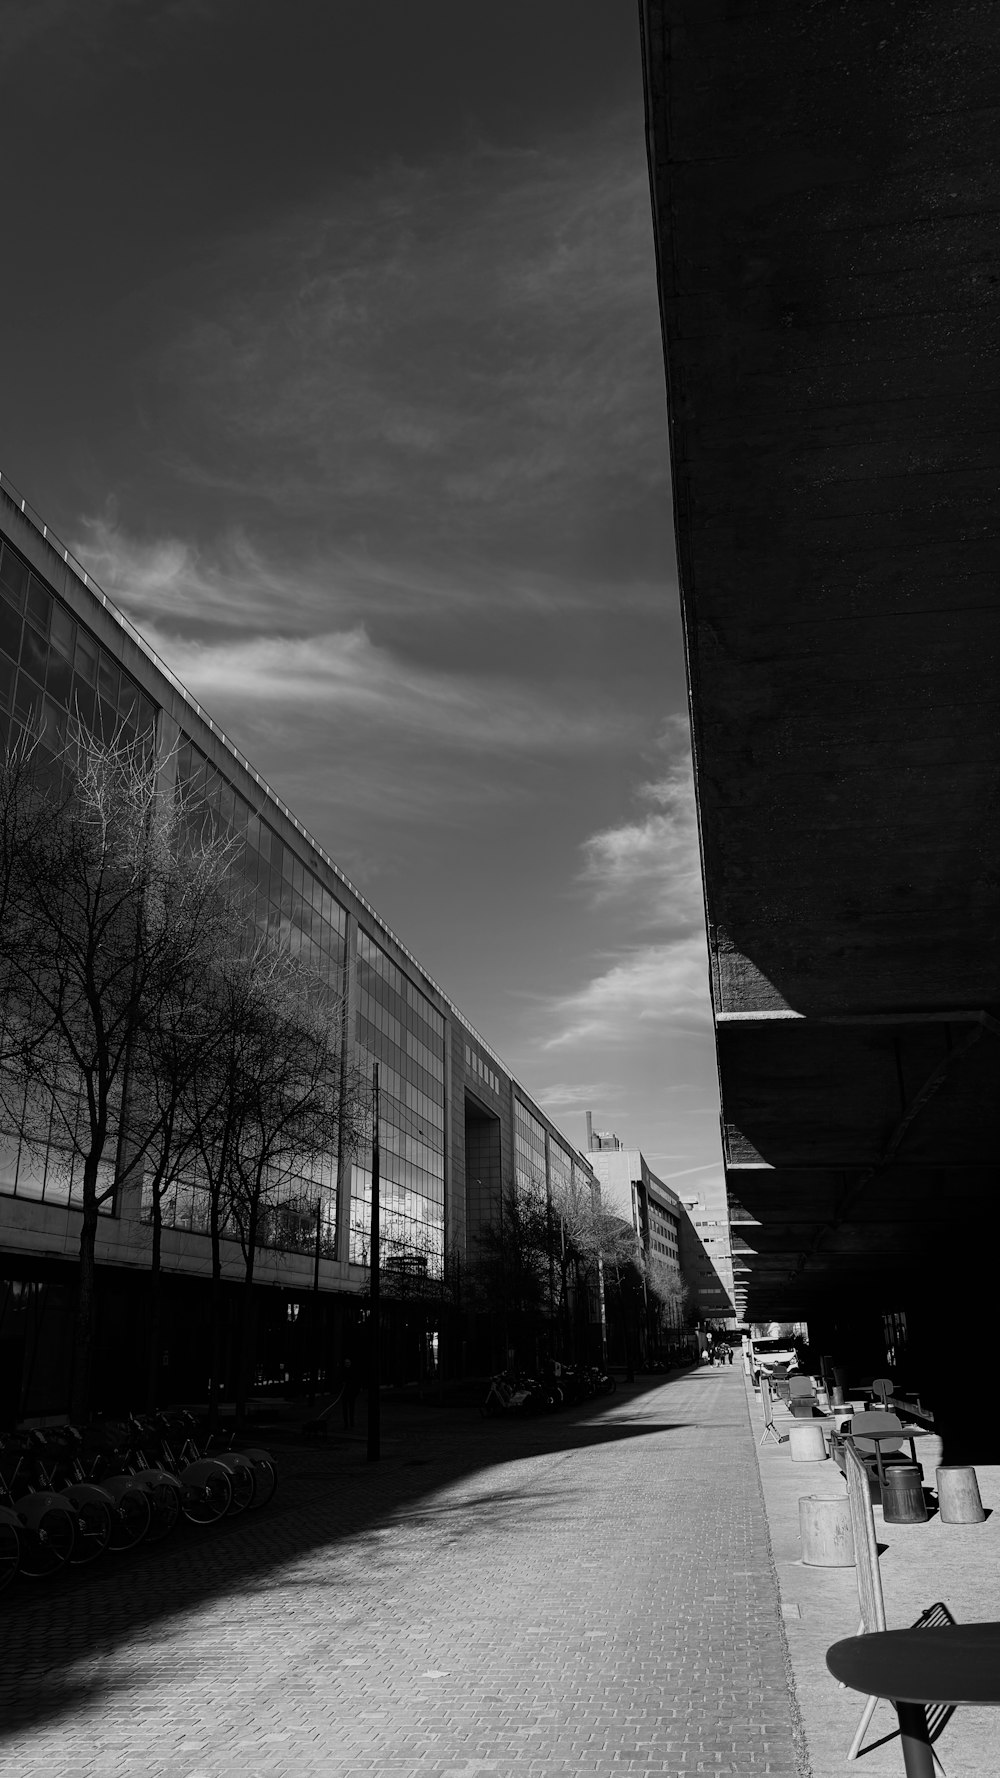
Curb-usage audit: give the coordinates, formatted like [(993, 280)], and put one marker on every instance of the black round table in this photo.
[(957, 1664)]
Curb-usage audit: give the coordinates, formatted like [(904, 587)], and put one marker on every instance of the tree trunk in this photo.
[(86, 1318), (86, 1298), (244, 1337), (154, 1348), (215, 1317)]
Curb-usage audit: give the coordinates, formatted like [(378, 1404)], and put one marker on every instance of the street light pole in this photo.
[(314, 1383), (374, 1402)]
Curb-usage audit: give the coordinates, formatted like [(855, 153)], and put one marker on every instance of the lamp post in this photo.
[(314, 1375), (374, 1403)]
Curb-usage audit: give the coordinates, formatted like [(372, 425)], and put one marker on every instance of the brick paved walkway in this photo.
[(586, 1594)]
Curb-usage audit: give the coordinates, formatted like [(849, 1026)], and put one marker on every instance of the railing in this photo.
[(76, 567)]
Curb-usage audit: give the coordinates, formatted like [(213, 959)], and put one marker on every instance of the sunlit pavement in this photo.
[(918, 1565), (587, 1593)]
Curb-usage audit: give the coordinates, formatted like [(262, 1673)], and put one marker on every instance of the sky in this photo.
[(333, 353)]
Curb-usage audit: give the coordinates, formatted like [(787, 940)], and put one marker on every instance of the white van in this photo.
[(765, 1354)]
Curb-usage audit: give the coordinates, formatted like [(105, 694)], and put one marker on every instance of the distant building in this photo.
[(630, 1187)]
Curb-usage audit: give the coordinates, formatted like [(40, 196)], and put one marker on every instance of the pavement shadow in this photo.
[(56, 1636)]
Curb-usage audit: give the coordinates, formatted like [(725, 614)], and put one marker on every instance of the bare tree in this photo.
[(105, 912), (275, 1098), (619, 1251), (668, 1296), (509, 1275)]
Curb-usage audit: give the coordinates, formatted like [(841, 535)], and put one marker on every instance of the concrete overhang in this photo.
[(825, 191)]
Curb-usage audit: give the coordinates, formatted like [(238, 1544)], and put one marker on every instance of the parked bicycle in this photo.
[(47, 1459), (44, 1523), (204, 1485)]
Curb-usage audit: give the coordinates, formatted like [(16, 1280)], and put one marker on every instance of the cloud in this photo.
[(572, 1094), (652, 988), (235, 583), (347, 679), (652, 864), (643, 875), (463, 352)]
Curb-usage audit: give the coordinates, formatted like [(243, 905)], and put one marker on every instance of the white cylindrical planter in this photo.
[(825, 1530), (806, 1442), (958, 1495)]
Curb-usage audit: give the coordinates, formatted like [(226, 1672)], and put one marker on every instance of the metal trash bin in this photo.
[(903, 1500)]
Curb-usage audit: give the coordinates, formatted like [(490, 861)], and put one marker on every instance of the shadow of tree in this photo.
[(55, 1637)]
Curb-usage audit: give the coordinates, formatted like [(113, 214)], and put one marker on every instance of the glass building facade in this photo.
[(64, 650), (50, 665), (399, 1028), (529, 1149)]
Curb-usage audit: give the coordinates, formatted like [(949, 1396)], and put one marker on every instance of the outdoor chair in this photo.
[(801, 1397), (874, 1455), (870, 1596), (883, 1389)]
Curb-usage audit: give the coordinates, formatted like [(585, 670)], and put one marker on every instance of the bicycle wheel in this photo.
[(10, 1552), (265, 1480), (609, 1385), (47, 1543), (207, 1492), (263, 1469), (93, 1530), (241, 1481), (164, 1501), (131, 1519)]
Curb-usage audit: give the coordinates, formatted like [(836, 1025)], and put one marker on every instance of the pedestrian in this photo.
[(350, 1386), (729, 1355)]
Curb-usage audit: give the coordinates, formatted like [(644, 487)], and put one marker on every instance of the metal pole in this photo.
[(374, 1403), (314, 1377)]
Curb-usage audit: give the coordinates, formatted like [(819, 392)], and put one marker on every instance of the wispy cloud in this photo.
[(234, 582), (643, 876), (568, 1095), (344, 678), (653, 988), (651, 864), (455, 352)]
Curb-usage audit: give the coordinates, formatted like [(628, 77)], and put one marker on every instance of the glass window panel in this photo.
[(34, 654), (108, 677), (62, 630), (7, 671), (38, 608), (58, 679), (147, 715), (128, 700), (83, 702), (86, 657), (27, 698), (10, 630), (55, 725), (13, 577)]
